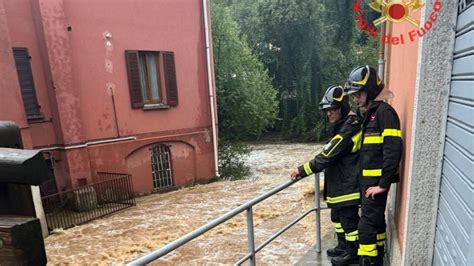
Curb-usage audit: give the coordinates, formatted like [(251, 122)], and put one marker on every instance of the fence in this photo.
[(80, 205)]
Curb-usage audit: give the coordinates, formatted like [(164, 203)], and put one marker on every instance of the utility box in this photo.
[(26, 167), (21, 237), (21, 241), (19, 169)]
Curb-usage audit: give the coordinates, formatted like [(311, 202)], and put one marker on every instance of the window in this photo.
[(152, 79), (27, 85), (161, 167)]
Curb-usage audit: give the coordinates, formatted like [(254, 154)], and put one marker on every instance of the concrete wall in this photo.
[(76, 75), (433, 84), (419, 74)]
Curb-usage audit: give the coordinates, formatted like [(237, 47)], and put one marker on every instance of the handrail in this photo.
[(251, 244), (281, 231)]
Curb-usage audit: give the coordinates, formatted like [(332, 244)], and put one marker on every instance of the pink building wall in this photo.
[(10, 95), (401, 72), (76, 75)]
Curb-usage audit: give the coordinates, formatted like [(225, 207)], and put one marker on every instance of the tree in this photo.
[(246, 99), (293, 37), (306, 45)]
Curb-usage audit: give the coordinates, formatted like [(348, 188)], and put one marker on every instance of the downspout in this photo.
[(115, 113), (210, 86), (381, 61)]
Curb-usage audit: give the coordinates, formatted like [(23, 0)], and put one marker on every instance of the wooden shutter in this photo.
[(136, 96), (170, 78), (27, 85)]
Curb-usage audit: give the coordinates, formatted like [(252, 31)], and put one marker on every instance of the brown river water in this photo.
[(161, 218)]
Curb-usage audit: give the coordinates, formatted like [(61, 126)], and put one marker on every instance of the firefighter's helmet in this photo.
[(364, 78), (335, 98)]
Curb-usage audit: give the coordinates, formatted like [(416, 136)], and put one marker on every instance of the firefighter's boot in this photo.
[(380, 255), (349, 256), (339, 249), (367, 261)]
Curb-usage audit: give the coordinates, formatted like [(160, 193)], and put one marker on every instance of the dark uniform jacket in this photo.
[(382, 147), (339, 160)]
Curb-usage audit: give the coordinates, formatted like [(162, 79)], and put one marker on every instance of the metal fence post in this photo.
[(318, 213), (250, 236)]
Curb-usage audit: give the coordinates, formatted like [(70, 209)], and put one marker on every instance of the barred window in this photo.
[(161, 167)]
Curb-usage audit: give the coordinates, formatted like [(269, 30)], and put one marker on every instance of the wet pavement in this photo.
[(312, 257), (161, 218)]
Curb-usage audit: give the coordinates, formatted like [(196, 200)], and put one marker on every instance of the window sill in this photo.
[(38, 119), (156, 106)]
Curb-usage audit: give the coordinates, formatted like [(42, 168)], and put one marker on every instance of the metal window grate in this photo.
[(464, 4), (161, 167)]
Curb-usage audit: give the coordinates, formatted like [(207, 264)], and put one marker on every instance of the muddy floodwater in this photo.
[(161, 218)]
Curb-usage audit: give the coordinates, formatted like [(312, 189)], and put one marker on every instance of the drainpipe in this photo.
[(381, 61), (210, 86)]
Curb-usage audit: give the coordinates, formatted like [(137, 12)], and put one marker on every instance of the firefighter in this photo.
[(379, 159), (339, 159)]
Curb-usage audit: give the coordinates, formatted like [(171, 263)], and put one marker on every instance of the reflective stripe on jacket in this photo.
[(382, 147), (339, 160)]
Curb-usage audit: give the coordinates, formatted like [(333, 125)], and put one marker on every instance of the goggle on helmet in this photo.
[(364, 78), (334, 97)]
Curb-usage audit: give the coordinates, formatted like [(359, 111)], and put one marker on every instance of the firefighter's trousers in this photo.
[(346, 220), (372, 224)]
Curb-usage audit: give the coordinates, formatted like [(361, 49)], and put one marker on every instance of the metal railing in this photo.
[(247, 207), (80, 205)]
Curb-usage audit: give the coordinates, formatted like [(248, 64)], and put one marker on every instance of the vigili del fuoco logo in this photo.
[(396, 11)]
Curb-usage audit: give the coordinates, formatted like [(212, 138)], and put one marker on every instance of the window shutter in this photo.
[(170, 78), (133, 71), (27, 85)]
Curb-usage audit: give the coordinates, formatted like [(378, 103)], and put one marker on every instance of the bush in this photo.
[(232, 160)]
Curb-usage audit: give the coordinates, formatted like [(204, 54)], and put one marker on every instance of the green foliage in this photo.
[(306, 45), (232, 160), (246, 99), (303, 45)]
